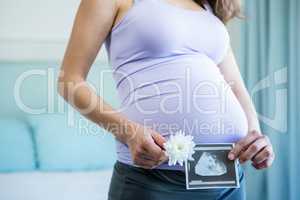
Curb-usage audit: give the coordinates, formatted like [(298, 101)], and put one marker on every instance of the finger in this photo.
[(163, 158), (265, 164), (253, 149), (261, 165), (155, 162), (243, 144), (154, 151), (159, 160), (158, 139), (263, 155), (145, 163), (149, 154), (145, 157)]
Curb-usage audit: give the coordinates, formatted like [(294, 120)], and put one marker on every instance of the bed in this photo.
[(91, 185)]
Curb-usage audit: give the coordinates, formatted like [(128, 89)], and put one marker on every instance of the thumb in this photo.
[(158, 139)]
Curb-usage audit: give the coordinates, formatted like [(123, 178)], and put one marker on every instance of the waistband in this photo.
[(174, 178)]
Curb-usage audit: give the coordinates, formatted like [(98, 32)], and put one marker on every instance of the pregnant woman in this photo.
[(174, 70)]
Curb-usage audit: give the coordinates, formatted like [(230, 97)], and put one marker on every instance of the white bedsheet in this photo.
[(55, 186)]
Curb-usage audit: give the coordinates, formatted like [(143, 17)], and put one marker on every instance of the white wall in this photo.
[(34, 29), (38, 30)]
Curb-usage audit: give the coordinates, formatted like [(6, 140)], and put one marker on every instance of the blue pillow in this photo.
[(79, 146), (16, 146)]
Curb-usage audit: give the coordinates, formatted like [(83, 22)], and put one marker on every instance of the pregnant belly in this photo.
[(188, 94)]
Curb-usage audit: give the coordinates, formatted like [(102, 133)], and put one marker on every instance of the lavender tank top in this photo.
[(165, 64)]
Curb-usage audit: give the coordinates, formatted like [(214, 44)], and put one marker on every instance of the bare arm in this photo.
[(231, 73), (93, 23), (84, 45), (255, 146)]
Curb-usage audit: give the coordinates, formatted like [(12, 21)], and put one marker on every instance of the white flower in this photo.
[(179, 148)]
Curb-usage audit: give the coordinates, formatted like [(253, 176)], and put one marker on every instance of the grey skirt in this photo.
[(132, 183)]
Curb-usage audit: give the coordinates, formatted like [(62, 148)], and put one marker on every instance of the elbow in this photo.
[(62, 87), (66, 84), (61, 84), (237, 92)]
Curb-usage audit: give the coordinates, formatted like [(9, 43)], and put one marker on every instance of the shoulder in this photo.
[(124, 4), (103, 6)]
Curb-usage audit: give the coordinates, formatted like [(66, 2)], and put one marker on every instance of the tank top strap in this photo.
[(136, 1), (208, 7)]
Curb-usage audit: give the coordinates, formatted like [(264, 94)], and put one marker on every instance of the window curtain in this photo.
[(269, 61)]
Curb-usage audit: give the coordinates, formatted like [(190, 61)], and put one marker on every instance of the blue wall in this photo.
[(34, 89)]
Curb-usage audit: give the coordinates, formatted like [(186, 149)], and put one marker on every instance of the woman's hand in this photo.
[(146, 147), (255, 147)]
